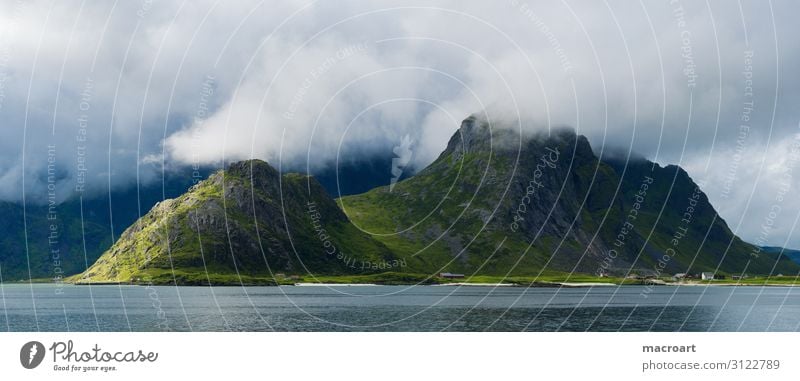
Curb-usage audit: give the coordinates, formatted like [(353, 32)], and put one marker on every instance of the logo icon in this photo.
[(31, 354)]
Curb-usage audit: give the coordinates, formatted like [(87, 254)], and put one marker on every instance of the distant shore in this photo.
[(401, 279)]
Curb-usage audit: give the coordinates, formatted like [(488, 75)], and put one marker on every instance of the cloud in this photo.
[(306, 84), (754, 185)]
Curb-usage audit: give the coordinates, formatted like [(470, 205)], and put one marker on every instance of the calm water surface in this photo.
[(397, 308)]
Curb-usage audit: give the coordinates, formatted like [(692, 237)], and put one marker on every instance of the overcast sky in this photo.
[(304, 84)]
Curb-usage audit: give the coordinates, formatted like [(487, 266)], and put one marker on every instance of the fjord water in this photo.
[(397, 308)]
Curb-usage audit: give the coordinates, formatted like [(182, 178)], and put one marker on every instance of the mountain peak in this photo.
[(252, 168), (478, 135)]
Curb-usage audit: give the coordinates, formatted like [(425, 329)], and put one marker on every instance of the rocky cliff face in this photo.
[(246, 221)]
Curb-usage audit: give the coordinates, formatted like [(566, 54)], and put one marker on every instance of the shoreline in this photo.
[(311, 284), (466, 284), (553, 280), (547, 284)]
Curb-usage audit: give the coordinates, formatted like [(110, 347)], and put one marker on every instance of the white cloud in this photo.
[(753, 187)]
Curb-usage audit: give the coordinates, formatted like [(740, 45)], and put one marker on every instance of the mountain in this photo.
[(496, 202), (70, 237), (493, 203), (246, 223)]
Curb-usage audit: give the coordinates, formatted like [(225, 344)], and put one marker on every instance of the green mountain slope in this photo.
[(244, 224), (499, 203)]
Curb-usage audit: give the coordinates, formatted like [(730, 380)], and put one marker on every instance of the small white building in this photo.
[(707, 276)]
